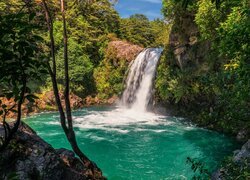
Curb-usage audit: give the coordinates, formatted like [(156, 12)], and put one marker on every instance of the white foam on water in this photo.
[(132, 111), (53, 123), (120, 120), (132, 114)]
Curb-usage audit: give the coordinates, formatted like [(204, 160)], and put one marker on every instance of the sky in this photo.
[(150, 8)]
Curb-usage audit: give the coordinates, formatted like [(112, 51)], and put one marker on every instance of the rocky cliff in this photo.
[(184, 42)]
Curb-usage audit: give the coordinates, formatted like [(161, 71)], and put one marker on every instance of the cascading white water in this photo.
[(134, 101), (139, 82)]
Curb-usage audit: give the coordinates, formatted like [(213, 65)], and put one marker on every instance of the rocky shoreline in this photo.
[(239, 163), (30, 157)]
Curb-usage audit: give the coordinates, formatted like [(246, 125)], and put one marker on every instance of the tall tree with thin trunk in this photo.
[(66, 121)]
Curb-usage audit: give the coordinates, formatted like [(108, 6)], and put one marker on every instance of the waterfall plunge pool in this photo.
[(127, 144)]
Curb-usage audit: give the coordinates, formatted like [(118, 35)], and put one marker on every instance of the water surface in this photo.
[(131, 145)]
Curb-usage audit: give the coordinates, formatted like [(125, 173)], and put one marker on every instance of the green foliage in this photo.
[(208, 18), (89, 23), (160, 31), (216, 92), (109, 75), (139, 30), (20, 65), (235, 170), (136, 29), (233, 82), (234, 33), (172, 8), (19, 53), (80, 69), (10, 176)]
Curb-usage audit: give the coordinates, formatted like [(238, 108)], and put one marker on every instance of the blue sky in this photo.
[(150, 8)]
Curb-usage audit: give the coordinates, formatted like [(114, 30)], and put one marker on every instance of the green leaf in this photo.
[(31, 16)]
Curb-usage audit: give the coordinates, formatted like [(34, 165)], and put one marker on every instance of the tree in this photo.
[(137, 29), (89, 23), (80, 69), (216, 2), (66, 121)]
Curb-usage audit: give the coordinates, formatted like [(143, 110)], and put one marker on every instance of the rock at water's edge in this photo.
[(242, 135), (243, 154), (240, 158), (30, 157)]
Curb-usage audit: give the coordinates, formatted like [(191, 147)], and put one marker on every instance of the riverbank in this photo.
[(45, 102), (195, 116)]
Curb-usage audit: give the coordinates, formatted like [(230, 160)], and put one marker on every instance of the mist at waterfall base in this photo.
[(127, 142)]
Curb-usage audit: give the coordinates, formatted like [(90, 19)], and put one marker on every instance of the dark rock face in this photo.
[(218, 175), (242, 135), (241, 155), (29, 157), (183, 40)]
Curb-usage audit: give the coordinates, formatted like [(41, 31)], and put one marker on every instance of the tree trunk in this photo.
[(9, 132), (53, 72), (66, 121), (71, 134)]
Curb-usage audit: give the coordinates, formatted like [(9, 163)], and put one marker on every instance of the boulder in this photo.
[(29, 157), (241, 158), (242, 135), (241, 155), (112, 100)]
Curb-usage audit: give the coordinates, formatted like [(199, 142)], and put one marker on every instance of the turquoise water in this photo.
[(132, 145)]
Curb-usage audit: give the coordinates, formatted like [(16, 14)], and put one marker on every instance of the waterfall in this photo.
[(140, 79)]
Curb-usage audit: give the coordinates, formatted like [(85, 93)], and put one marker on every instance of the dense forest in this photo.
[(205, 70), (91, 26), (203, 73)]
